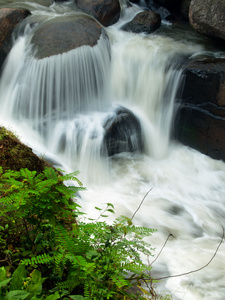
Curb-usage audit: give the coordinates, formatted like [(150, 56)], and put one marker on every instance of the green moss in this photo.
[(14, 155)]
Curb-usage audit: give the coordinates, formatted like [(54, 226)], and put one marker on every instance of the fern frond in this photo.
[(69, 284), (40, 259)]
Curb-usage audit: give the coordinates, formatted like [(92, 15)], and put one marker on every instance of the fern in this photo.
[(40, 259), (97, 260)]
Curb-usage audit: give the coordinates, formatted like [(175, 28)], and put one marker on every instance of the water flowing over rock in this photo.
[(123, 132), (9, 19), (107, 12), (208, 17), (64, 34), (147, 21), (200, 120)]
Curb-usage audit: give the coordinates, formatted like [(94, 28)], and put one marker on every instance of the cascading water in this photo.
[(138, 73)]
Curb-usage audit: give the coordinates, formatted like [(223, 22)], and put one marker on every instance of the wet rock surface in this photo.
[(107, 12), (62, 35), (9, 19), (123, 132), (200, 120), (147, 21)]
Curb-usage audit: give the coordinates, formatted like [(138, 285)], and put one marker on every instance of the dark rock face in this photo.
[(200, 120), (184, 9), (202, 129), (205, 82), (62, 35), (168, 3), (146, 21), (9, 19), (123, 133), (107, 12), (208, 17)]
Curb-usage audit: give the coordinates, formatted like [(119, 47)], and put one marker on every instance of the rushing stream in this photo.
[(139, 73)]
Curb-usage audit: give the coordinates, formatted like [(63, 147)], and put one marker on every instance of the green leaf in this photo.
[(76, 297), (38, 238), (98, 208), (53, 297), (4, 282), (35, 284), (110, 204), (17, 278), (3, 274), (20, 295)]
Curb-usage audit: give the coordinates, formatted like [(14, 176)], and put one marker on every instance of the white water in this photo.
[(187, 196)]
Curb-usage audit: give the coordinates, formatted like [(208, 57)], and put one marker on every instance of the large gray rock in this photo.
[(200, 120), (107, 12), (63, 34), (208, 17), (146, 21), (9, 19)]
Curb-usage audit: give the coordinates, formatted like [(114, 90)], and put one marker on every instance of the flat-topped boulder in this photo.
[(63, 34)]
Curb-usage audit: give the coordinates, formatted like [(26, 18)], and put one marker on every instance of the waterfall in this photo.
[(68, 97), (62, 106)]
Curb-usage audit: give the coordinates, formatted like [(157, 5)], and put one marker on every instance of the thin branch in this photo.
[(187, 273), (140, 204), (197, 270), (162, 248)]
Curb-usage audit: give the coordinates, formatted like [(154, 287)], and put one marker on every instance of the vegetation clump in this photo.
[(46, 252), (14, 155)]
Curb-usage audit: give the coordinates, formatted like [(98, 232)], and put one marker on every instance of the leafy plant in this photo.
[(31, 205), (19, 286), (65, 258)]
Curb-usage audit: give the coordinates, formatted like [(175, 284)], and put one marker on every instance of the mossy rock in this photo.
[(15, 155)]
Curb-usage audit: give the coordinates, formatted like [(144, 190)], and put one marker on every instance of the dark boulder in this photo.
[(208, 17), (107, 12), (146, 21), (202, 129), (204, 82), (200, 119), (61, 35), (9, 19), (123, 132)]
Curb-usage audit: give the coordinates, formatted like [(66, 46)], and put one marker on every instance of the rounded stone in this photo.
[(64, 34)]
